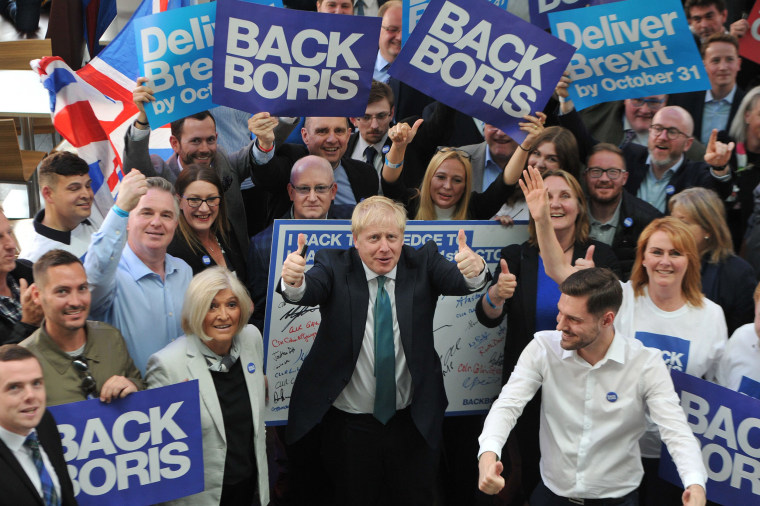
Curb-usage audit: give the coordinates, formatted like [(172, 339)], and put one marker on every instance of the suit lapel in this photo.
[(406, 279), (252, 379), (358, 300), (10, 460), (197, 367)]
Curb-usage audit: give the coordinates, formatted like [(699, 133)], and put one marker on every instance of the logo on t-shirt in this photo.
[(675, 351)]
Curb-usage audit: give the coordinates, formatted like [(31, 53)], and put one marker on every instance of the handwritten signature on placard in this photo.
[(294, 313)]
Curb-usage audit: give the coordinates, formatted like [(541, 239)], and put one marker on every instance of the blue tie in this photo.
[(360, 8), (49, 496), (385, 356), (369, 155)]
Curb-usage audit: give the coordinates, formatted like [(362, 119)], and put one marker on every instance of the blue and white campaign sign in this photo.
[(293, 63), (471, 354), (727, 425), (413, 9), (270, 3), (140, 450), (629, 49), (675, 351), (539, 9), (482, 61), (175, 50)]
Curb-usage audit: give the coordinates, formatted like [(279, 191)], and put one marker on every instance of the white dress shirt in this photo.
[(23, 454), (593, 416)]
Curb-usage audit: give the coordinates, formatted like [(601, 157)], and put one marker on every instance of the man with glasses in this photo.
[(81, 359), (194, 140), (312, 190), (616, 217), (409, 101), (661, 171)]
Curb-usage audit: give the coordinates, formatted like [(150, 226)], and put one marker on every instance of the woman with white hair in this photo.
[(225, 355)]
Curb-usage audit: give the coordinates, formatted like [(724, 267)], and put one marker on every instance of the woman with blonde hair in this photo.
[(226, 356), (446, 191), (727, 280), (663, 307)]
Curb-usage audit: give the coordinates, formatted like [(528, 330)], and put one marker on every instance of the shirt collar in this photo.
[(728, 98), (61, 236), (616, 352), (362, 144), (139, 270), (672, 168), (13, 441), (372, 274), (380, 62), (613, 221)]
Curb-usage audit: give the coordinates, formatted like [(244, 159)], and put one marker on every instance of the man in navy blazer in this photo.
[(373, 459), (22, 411)]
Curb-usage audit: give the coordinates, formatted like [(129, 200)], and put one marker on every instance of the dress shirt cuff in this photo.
[(724, 177), (489, 446), (135, 134), (259, 156), (478, 281), (694, 478), (293, 293)]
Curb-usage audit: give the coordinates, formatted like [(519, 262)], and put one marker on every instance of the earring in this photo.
[(707, 237)]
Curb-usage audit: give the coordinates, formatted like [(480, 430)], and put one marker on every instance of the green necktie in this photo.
[(385, 356)]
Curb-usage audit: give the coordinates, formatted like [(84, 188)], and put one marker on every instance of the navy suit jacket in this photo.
[(338, 284), (17, 488)]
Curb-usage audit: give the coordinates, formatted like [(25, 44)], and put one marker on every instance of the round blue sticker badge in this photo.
[(386, 148), (612, 396), (206, 260), (251, 368), (628, 222), (670, 189)]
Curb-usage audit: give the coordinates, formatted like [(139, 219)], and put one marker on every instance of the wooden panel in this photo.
[(16, 54), (11, 165)]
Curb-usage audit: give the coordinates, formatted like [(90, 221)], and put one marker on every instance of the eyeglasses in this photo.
[(596, 172), (381, 116), (196, 202), (652, 103), (88, 386), (671, 132), (459, 151), (320, 189), (391, 29)]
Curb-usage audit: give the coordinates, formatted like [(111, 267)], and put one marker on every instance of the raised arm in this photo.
[(533, 126), (401, 135)]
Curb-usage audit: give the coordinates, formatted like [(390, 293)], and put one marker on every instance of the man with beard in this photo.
[(617, 217), (194, 140), (80, 358), (65, 221), (661, 171)]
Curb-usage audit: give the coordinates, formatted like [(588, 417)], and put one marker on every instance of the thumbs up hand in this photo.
[(295, 265), (586, 262), (506, 284), (470, 263)]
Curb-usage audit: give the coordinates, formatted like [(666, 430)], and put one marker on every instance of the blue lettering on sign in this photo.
[(251, 368), (675, 351), (750, 387)]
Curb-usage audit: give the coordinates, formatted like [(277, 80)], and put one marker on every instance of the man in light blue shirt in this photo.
[(141, 294)]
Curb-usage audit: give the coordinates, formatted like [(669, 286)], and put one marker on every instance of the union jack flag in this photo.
[(92, 107)]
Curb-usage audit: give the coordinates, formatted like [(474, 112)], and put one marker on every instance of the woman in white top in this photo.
[(663, 307), (739, 369)]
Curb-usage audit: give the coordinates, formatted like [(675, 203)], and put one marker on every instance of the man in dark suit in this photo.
[(194, 140), (312, 190), (372, 379), (716, 107), (32, 469)]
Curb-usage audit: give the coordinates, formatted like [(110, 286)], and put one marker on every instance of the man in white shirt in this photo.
[(32, 468), (65, 222), (596, 388)]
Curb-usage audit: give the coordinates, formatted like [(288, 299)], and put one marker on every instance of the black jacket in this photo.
[(11, 331), (635, 215)]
